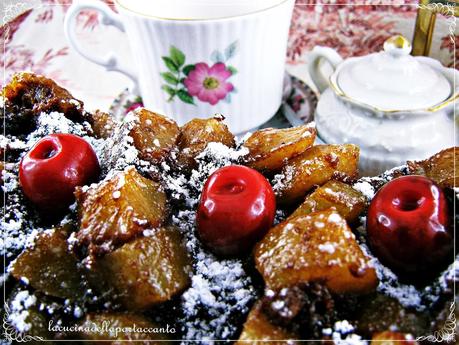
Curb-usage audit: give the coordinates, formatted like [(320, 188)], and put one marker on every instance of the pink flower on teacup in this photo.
[(186, 82), (209, 83)]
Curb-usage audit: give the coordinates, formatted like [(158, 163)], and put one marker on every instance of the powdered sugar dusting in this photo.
[(327, 247), (342, 334), (118, 151), (365, 188), (410, 296), (282, 181), (19, 313), (221, 290), (20, 223), (55, 122)]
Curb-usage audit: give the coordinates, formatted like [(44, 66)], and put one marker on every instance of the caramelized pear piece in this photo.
[(36, 93), (314, 167), (102, 124), (48, 266), (154, 135), (380, 313), (269, 149), (393, 338), (316, 247), (196, 134), (304, 309), (146, 271), (258, 328), (115, 211), (439, 168), (117, 321), (348, 201)]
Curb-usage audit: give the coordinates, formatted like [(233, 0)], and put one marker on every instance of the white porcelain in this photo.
[(392, 79), (396, 107), (238, 60), (196, 9)]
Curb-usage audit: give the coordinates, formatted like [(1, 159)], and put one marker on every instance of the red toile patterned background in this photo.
[(35, 41)]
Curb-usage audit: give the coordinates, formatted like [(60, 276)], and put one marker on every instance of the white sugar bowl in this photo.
[(395, 106)]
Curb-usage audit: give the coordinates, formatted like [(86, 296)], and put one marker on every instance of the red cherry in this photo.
[(236, 209), (408, 226), (51, 170), (133, 106)]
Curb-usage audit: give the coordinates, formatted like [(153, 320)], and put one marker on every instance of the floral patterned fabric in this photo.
[(34, 41), (355, 30)]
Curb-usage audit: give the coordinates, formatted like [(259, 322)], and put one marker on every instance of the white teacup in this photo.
[(195, 58)]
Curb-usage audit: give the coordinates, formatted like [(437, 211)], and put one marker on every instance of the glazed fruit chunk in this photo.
[(258, 327), (379, 313), (346, 200), (147, 270), (304, 309), (102, 124), (314, 167), (196, 134), (270, 148), (154, 135), (50, 267), (316, 247), (117, 210), (40, 94), (119, 321), (439, 168)]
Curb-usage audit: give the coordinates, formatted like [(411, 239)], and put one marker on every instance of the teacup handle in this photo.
[(318, 53), (110, 62)]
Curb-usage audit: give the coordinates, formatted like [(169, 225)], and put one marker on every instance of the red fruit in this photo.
[(51, 170), (236, 209), (133, 106), (408, 226)]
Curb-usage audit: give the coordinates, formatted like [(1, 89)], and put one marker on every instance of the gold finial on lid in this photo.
[(397, 45)]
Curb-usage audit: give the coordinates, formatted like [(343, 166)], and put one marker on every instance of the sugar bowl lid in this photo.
[(392, 80)]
